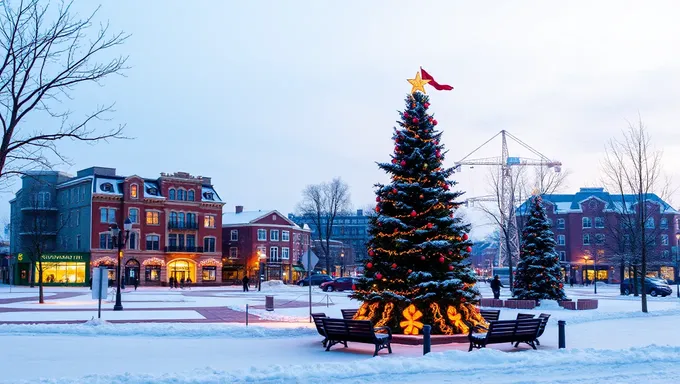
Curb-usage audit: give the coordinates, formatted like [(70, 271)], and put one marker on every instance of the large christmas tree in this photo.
[(538, 276), (417, 273)]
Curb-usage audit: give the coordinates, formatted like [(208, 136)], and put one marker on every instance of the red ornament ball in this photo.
[(394, 161), (377, 199), (422, 258), (465, 236), (414, 213), (405, 115), (446, 187), (415, 120), (468, 249), (378, 275), (434, 122), (394, 190), (421, 197), (450, 252), (462, 300), (377, 209), (426, 105), (394, 266), (429, 225), (403, 163), (442, 259), (371, 253), (369, 265), (450, 267), (410, 270)]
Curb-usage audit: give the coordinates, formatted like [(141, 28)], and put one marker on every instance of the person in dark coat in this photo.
[(171, 282), (245, 281), (496, 286), (135, 282)]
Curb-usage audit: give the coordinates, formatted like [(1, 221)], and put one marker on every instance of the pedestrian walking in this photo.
[(496, 286), (245, 281), (181, 283), (135, 282), (171, 281), (189, 283)]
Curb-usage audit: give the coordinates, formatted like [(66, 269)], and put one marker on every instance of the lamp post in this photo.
[(585, 269), (677, 250), (342, 263), (120, 240), (595, 274), (260, 269)]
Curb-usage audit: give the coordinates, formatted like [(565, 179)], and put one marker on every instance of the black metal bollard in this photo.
[(427, 342), (246, 315), (561, 337)]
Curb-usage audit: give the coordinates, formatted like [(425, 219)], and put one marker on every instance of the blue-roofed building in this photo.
[(586, 226)]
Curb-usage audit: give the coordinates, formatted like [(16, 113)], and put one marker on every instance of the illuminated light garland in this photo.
[(411, 325), (104, 260), (457, 319), (439, 319), (372, 308), (153, 261), (361, 313), (210, 262), (386, 315)]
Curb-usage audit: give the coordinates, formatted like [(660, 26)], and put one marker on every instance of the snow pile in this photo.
[(102, 328), (488, 365)]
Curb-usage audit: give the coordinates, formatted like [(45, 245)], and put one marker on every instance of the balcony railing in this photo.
[(182, 225), (183, 248)]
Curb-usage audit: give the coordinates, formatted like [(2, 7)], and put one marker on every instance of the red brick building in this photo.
[(264, 241), (176, 226)]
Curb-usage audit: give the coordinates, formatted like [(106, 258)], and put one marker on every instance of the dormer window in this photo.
[(134, 191), (208, 196), (152, 191), (107, 187)]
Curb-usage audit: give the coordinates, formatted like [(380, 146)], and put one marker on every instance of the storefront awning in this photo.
[(298, 268)]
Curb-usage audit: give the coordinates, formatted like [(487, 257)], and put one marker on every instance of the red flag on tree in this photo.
[(432, 82)]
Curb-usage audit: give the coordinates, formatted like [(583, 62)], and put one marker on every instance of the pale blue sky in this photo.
[(268, 96)]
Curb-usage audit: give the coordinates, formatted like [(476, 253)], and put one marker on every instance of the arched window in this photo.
[(191, 195), (171, 194), (180, 219), (132, 240), (133, 191), (181, 194)]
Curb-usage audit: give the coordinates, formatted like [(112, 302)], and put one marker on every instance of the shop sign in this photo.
[(66, 257)]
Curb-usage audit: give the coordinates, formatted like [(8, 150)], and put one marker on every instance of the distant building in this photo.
[(351, 230), (176, 227), (585, 226), (484, 257), (262, 241)]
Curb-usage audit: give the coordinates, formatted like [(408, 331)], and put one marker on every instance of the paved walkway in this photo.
[(51, 296)]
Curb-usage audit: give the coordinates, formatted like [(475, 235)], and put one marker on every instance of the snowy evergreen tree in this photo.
[(417, 273), (538, 275)]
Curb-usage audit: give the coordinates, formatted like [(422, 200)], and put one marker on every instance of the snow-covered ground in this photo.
[(614, 344)]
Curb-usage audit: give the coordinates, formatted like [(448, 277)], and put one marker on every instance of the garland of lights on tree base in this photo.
[(417, 273)]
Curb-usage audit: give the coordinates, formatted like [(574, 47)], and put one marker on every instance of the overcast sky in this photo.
[(269, 96)]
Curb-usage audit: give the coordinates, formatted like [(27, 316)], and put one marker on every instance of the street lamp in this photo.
[(585, 268), (342, 266), (261, 256), (677, 250), (120, 241)]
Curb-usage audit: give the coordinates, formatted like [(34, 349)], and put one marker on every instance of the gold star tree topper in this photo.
[(418, 83)]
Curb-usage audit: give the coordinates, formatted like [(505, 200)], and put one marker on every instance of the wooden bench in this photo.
[(544, 317), (490, 314), (319, 325), (348, 314), (506, 331), (521, 316), (340, 331)]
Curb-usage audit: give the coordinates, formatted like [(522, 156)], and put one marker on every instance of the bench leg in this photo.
[(471, 347), (389, 348), (538, 342), (376, 350), (516, 344), (533, 345)]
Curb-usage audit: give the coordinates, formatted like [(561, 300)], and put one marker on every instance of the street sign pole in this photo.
[(101, 277), (309, 275)]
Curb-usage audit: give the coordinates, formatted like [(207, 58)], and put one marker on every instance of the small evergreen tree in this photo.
[(538, 276), (417, 273)]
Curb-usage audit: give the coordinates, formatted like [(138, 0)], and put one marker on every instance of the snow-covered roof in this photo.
[(74, 182), (151, 190), (245, 217), (209, 194), (107, 186)]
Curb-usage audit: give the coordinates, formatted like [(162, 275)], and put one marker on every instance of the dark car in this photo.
[(316, 280), (654, 287), (339, 284)]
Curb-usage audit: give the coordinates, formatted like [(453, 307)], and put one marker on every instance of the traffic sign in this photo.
[(310, 261)]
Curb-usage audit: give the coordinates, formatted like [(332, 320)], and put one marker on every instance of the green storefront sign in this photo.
[(59, 268), (66, 257)]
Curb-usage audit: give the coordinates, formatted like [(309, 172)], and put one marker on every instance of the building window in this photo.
[(105, 241), (234, 235), (209, 221), (599, 239), (563, 256), (171, 194), (152, 273), (560, 240), (107, 187), (666, 254), (274, 234), (664, 239), (153, 218), (209, 273), (274, 254), (134, 191), (261, 235), (560, 223), (78, 242), (132, 240), (587, 223), (181, 194), (76, 217), (153, 242), (285, 253), (586, 239), (285, 236), (663, 224), (209, 244), (233, 253), (649, 223), (107, 215), (191, 195), (133, 214), (599, 222)]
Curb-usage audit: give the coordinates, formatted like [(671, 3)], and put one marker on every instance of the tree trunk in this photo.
[(507, 247), (622, 270), (636, 291), (31, 275), (41, 296)]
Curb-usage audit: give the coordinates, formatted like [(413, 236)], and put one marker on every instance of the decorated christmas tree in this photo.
[(538, 276), (417, 273)]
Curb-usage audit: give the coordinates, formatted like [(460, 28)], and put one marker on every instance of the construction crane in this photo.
[(509, 239)]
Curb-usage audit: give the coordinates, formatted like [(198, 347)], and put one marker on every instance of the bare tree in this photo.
[(321, 204), (633, 167), (45, 55)]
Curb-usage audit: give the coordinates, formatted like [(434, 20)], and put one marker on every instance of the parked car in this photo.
[(339, 284), (316, 280), (653, 287)]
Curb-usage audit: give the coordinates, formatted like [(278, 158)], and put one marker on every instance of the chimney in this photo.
[(360, 212), (239, 209)]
